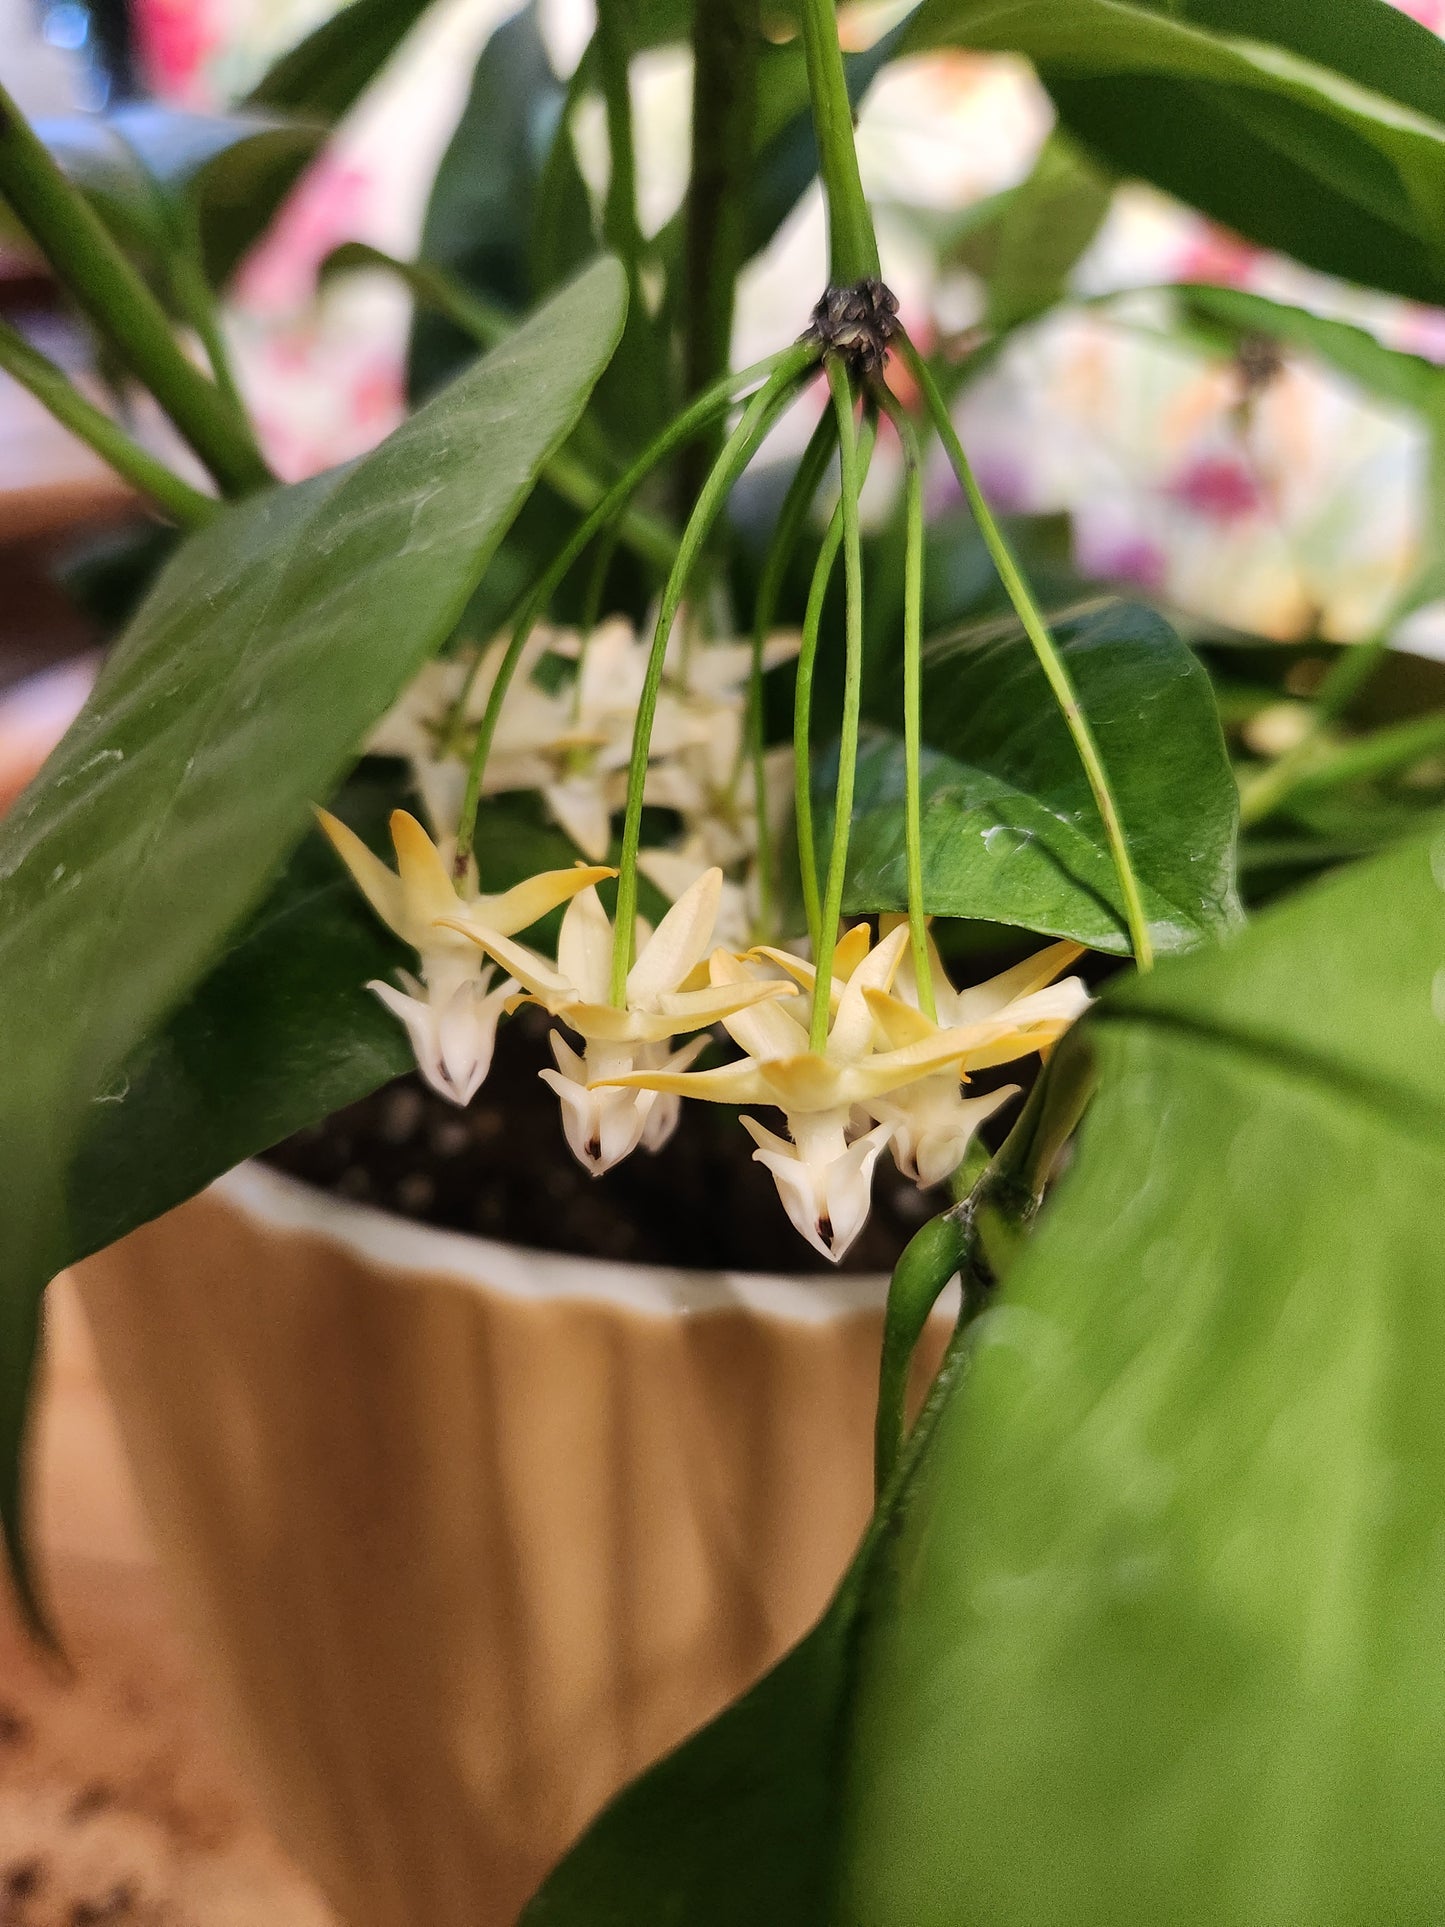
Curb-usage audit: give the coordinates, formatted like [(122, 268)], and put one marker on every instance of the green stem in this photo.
[(1050, 661), (842, 391), (1382, 753), (803, 729), (619, 213), (726, 43), (122, 309), (975, 1238), (758, 417), (913, 699), (134, 464), (852, 244), (717, 400), (807, 479), (197, 302)]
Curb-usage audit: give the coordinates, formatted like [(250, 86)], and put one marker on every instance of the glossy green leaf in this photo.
[(1317, 129), (241, 690), (1010, 831), (1148, 1630)]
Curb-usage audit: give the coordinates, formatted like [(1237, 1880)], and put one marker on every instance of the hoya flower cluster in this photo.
[(892, 1069)]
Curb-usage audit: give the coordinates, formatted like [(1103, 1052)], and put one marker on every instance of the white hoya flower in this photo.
[(451, 1010), (664, 998), (823, 1171), (1020, 1011), (572, 743)]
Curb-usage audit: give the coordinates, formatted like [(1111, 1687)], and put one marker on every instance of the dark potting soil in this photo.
[(502, 1168)]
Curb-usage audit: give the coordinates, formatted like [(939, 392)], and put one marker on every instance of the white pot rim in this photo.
[(400, 1245)]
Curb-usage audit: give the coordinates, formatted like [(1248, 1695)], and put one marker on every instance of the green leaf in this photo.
[(479, 216), (1319, 130), (326, 73), (319, 79), (281, 1033), (1148, 1629), (155, 172), (1010, 831), (1169, 1612), (1031, 236), (245, 683)]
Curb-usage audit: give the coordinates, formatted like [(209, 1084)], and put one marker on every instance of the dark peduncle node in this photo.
[(856, 322)]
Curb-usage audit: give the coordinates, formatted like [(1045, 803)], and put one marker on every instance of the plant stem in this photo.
[(726, 41), (1261, 795), (1381, 753), (619, 213), (758, 417), (842, 391), (1050, 660), (913, 699), (122, 309), (852, 244), (49, 385), (803, 730), (717, 400), (807, 478), (197, 302)]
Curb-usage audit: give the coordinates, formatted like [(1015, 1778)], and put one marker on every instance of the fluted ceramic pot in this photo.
[(468, 1535)]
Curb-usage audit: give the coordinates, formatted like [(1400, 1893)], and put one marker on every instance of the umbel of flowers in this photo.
[(897, 1044), (853, 1042)]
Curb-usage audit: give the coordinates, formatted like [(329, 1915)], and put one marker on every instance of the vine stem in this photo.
[(852, 244), (807, 479), (913, 698), (842, 392), (1050, 661), (119, 305), (802, 729), (716, 400), (727, 39), (761, 412), (186, 506)]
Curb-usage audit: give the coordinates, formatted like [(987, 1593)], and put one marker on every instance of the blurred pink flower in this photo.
[(174, 40), (1219, 487), (326, 208)]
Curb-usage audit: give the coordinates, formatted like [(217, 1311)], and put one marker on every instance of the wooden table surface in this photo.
[(118, 1805)]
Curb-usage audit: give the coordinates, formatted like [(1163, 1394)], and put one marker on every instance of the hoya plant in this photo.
[(513, 715)]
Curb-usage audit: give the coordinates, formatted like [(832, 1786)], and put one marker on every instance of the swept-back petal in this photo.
[(426, 883), (584, 948), (895, 1022), (380, 886), (697, 1009), (986, 1000), (763, 1030), (852, 1029), (530, 970), (679, 942), (525, 902), (805, 1082), (738, 1083)]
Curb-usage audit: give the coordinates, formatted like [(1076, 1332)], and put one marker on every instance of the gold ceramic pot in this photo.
[(467, 1535)]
